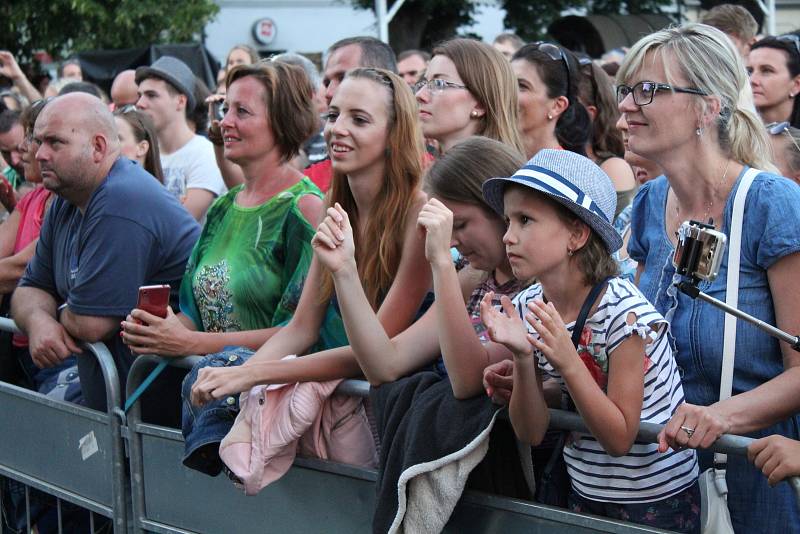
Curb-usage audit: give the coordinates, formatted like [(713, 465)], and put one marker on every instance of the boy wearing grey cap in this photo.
[(166, 92)]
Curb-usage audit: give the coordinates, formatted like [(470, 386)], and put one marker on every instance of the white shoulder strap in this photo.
[(732, 289)]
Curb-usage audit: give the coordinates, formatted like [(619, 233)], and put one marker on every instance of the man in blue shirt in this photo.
[(111, 229)]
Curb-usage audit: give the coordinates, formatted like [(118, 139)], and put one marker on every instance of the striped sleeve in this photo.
[(630, 314)]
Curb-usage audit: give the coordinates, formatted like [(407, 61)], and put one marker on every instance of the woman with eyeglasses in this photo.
[(684, 95), (138, 140), (468, 89), (605, 147), (774, 68), (785, 141), (551, 116)]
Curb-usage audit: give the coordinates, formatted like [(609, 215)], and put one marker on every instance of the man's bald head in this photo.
[(86, 114), (78, 145), (124, 90)]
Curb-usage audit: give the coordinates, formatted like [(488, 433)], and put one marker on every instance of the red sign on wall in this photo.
[(264, 31)]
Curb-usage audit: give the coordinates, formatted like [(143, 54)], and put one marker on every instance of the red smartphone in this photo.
[(154, 299)]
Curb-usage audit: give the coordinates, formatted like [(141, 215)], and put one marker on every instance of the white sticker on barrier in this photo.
[(88, 445)]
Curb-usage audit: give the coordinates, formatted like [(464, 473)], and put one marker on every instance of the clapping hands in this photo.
[(504, 326)]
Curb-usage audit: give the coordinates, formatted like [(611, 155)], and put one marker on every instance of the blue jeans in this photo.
[(205, 426)]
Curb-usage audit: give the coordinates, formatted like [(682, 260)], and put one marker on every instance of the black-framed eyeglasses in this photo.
[(778, 128), (792, 38), (555, 53), (643, 92), (437, 85)]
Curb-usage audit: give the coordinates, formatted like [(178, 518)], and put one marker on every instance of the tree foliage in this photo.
[(62, 27), (423, 23), (531, 18)]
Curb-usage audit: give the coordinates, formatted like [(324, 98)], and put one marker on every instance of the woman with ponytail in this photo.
[(683, 93), (551, 116), (774, 67)]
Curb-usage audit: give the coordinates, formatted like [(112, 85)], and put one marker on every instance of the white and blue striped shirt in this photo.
[(644, 474)]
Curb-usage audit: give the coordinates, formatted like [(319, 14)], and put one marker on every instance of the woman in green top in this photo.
[(376, 150), (246, 273)]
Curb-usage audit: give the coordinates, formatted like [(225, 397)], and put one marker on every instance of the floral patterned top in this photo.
[(247, 270), (644, 474), (510, 289)]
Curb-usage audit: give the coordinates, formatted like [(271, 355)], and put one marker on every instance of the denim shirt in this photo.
[(771, 231)]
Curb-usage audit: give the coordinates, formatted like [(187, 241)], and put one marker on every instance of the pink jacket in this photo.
[(277, 422)]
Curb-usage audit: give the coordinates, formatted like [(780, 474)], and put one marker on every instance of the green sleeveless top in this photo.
[(247, 270)]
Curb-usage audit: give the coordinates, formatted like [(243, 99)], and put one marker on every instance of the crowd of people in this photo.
[(500, 218)]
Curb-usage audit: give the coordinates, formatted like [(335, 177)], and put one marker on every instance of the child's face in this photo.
[(536, 239), (478, 235)]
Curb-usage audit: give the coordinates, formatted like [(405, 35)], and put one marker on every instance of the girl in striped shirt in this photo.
[(559, 209)]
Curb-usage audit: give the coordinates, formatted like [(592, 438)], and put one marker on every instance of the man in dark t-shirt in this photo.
[(111, 229)]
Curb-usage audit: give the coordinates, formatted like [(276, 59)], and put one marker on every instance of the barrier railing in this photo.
[(68, 451), (648, 432), (166, 497)]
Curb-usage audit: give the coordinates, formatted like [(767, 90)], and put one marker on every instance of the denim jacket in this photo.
[(771, 231)]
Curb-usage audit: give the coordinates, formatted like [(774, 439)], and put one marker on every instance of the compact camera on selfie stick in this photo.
[(698, 257)]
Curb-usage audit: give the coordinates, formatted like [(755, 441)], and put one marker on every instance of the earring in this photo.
[(549, 117), (569, 252), (474, 114), (791, 96), (699, 131)]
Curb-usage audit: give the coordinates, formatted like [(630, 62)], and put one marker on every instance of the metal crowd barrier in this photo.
[(65, 450), (170, 498), (77, 455), (314, 496), (648, 432)]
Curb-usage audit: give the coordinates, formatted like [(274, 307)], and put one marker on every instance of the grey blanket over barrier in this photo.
[(430, 442)]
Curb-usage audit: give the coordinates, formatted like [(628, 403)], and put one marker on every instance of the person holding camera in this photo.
[(683, 94)]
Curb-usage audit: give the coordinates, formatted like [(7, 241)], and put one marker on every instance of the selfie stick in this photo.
[(693, 291)]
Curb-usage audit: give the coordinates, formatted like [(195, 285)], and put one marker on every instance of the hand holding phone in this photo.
[(154, 299)]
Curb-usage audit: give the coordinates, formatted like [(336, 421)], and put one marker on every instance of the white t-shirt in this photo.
[(644, 474), (193, 166)]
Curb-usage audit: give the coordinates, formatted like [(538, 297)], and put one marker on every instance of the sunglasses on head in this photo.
[(555, 53), (778, 128), (131, 109), (792, 38)]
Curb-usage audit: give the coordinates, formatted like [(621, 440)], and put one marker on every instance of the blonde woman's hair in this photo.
[(379, 247), (707, 60), (489, 78)]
